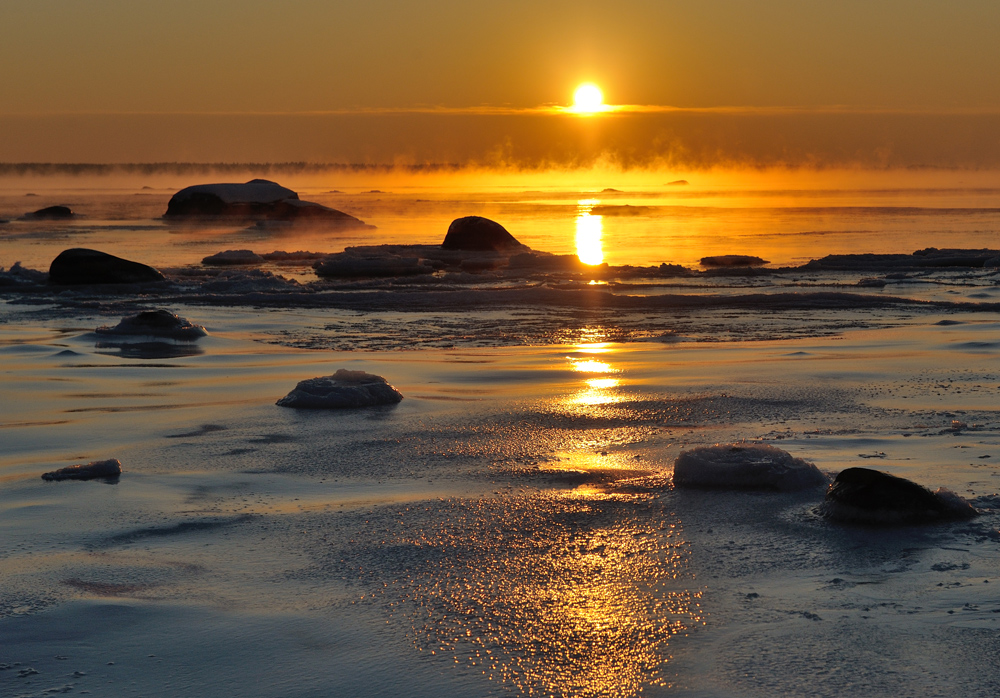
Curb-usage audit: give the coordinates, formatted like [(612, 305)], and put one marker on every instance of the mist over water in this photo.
[(622, 216), (533, 139)]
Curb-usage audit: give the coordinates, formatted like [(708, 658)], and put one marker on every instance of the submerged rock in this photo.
[(258, 199), (233, 258), (478, 234), (745, 467), (733, 260), (50, 213), (862, 495), (155, 323), (110, 468), (343, 389), (82, 266)]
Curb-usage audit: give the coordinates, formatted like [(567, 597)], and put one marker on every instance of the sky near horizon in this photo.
[(66, 58)]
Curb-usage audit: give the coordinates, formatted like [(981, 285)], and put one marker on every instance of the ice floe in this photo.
[(345, 388), (155, 323), (745, 466), (930, 257), (233, 257), (370, 262), (19, 276)]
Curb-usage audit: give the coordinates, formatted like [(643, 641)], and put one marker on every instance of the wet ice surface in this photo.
[(509, 527)]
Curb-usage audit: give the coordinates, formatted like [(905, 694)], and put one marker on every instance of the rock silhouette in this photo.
[(478, 234), (82, 266)]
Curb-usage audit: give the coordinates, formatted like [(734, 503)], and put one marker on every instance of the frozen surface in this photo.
[(511, 528)]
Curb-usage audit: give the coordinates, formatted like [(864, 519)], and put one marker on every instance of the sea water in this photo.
[(511, 526)]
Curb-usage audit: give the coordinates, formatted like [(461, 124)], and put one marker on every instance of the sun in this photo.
[(588, 99)]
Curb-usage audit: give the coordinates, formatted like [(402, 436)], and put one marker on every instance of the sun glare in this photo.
[(588, 99)]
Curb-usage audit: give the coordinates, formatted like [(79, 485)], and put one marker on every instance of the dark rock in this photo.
[(677, 183), (733, 260), (258, 199), (82, 266), (478, 234), (862, 495), (343, 389), (106, 469), (155, 323), (50, 213)]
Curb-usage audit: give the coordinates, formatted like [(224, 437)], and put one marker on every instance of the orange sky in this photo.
[(122, 80)]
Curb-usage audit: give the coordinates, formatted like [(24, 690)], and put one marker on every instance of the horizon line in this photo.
[(545, 110)]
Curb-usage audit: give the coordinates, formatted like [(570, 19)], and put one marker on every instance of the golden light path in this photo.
[(592, 366), (574, 591), (589, 230)]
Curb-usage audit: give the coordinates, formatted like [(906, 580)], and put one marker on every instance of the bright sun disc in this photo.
[(588, 98)]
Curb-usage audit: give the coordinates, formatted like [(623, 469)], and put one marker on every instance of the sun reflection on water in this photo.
[(559, 594), (589, 231), (592, 366), (573, 588), (593, 347)]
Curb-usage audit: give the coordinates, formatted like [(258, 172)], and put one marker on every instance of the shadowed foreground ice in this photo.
[(509, 527)]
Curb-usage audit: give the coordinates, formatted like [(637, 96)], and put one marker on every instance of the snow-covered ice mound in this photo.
[(110, 468), (154, 323), (343, 389), (354, 263), (743, 467), (862, 495)]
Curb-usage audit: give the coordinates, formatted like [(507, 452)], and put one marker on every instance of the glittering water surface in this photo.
[(566, 593), (511, 526)]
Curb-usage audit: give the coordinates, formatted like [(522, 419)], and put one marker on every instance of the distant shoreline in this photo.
[(191, 168)]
